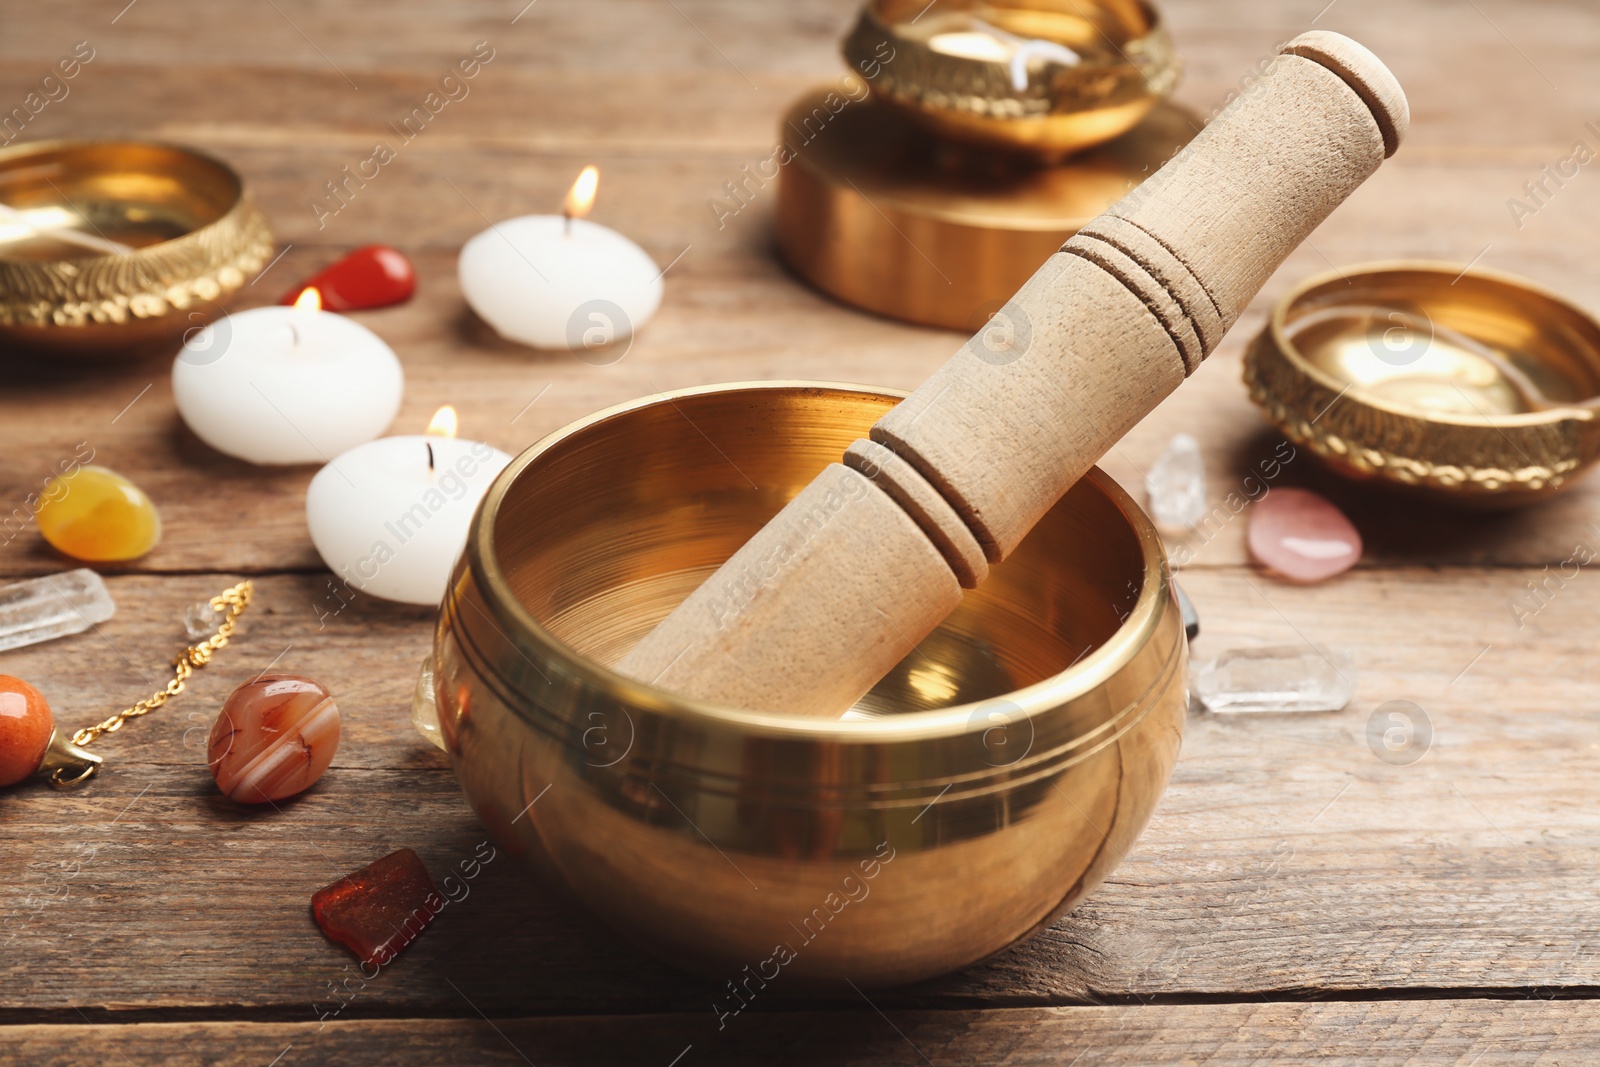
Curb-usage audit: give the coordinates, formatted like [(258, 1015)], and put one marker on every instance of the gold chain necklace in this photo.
[(76, 766)]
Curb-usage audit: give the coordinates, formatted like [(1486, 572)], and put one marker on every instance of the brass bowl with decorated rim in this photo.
[(112, 248), (1042, 77), (1462, 385), (994, 778)]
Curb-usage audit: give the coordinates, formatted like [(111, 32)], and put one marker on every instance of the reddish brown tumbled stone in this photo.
[(274, 738), (380, 909)]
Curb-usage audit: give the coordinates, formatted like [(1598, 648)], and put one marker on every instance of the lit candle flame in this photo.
[(443, 423), (580, 198), (310, 300)]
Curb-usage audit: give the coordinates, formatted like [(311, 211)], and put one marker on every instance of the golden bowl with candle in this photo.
[(1043, 77), (119, 247), (1464, 385), (994, 778)]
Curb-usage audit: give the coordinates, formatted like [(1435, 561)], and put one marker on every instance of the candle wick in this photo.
[(430, 454), (295, 334), (568, 216)]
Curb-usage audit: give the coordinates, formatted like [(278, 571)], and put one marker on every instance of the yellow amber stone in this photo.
[(98, 515)]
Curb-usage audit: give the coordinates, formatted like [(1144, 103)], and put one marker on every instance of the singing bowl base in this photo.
[(879, 214), (1011, 762)]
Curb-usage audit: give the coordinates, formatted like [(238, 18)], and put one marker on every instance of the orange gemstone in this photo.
[(25, 729), (274, 738), (98, 515)]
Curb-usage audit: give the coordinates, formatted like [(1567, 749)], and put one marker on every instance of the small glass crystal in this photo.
[(1290, 678), (425, 707), (201, 620), (40, 609), (1176, 485)]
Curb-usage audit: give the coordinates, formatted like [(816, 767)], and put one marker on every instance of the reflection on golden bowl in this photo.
[(877, 213), (1468, 384), (955, 68), (1006, 768), (193, 235)]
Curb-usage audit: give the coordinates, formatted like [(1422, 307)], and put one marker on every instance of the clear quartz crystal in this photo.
[(40, 609), (1291, 678), (201, 620), (1176, 485), (425, 707)]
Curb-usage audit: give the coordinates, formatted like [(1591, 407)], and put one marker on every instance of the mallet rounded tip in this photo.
[(1363, 72)]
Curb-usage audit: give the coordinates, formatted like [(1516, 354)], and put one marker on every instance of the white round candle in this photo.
[(552, 282), (387, 524), (280, 385)]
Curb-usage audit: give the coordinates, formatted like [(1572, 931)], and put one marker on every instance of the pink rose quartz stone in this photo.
[(274, 738), (1302, 537)]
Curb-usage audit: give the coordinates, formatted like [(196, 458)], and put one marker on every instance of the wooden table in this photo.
[(1295, 899)]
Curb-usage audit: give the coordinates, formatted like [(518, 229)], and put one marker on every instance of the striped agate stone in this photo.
[(274, 738)]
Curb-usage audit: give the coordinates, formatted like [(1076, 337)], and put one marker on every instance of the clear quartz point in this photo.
[(1291, 678), (425, 708), (201, 620), (1176, 485), (56, 605)]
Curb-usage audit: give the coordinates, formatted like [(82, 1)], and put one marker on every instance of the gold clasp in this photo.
[(65, 764)]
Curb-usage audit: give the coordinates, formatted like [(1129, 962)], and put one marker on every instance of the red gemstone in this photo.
[(25, 729), (380, 909), (371, 277)]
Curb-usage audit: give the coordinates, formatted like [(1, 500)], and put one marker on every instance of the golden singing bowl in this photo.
[(994, 777), (193, 233), (991, 72), (1465, 385)]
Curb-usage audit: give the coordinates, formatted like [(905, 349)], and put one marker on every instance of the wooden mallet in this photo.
[(873, 554)]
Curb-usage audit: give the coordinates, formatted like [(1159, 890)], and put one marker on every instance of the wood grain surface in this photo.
[(1295, 899), (1382, 1034)]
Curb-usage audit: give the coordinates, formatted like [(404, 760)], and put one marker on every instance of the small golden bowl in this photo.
[(1465, 385), (65, 206), (1006, 768), (993, 72)]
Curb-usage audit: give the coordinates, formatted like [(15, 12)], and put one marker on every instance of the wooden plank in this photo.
[(1383, 1034), (1286, 858), (304, 35), (750, 60)]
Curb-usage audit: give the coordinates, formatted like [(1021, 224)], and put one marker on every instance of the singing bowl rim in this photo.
[(1515, 285), (888, 24), (1040, 698), (1494, 460), (180, 282), (964, 99), (239, 194)]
